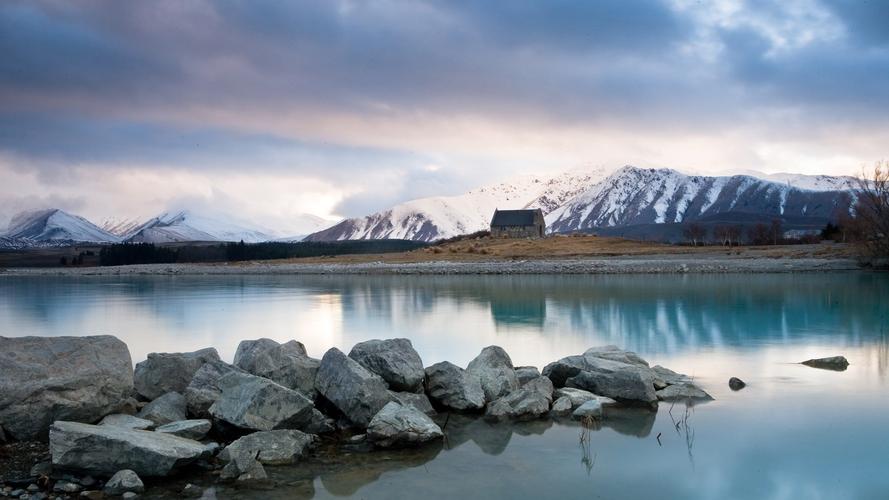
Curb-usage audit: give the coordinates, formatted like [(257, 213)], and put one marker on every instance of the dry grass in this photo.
[(572, 247)]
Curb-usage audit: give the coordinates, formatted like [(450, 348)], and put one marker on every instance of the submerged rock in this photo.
[(123, 481), (525, 374), (168, 408), (450, 386), (354, 390), (256, 403), (204, 390), (128, 422), (736, 384), (494, 371), (271, 447), (683, 392), (104, 449), (192, 429), (589, 409), (395, 360), (419, 401), (165, 372), (243, 468), (287, 364), (835, 363), (397, 425), (561, 406), (60, 378), (577, 397)]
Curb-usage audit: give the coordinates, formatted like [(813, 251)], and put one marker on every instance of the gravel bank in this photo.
[(666, 264)]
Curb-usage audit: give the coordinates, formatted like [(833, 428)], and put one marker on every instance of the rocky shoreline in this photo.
[(190, 416), (648, 264)]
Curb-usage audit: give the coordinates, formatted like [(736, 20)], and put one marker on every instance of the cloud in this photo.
[(356, 99)]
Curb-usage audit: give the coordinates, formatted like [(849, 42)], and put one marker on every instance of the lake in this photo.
[(794, 432)]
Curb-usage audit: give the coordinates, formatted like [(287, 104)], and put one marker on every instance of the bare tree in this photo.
[(734, 234), (758, 234), (775, 231), (872, 210), (694, 233)]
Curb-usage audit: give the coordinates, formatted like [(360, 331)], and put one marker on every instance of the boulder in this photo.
[(835, 363), (45, 379), (736, 384), (168, 408), (243, 468), (590, 409), (105, 449), (561, 406), (354, 390), (526, 403), (541, 385), (525, 374), (628, 386), (319, 423), (398, 425), (451, 387), (683, 392), (614, 353), (192, 429), (576, 396), (128, 422), (258, 404), (494, 371), (287, 364), (203, 390), (395, 360), (165, 372), (123, 481), (418, 401), (271, 447)]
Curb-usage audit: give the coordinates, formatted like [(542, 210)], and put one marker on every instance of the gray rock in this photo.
[(590, 409), (494, 371), (683, 392), (192, 429), (271, 447), (450, 386), (614, 353), (576, 396), (258, 404), (168, 408), (128, 422), (243, 468), (203, 390), (320, 423), (60, 378), (629, 386), (398, 425), (165, 372), (355, 391), (736, 384), (526, 403), (541, 385), (104, 449), (526, 374), (562, 406), (835, 363), (192, 491), (669, 377), (418, 401), (66, 487), (287, 364), (129, 495), (395, 360), (123, 481)]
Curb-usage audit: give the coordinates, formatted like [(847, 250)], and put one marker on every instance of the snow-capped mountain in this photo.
[(428, 219), (55, 225), (186, 226), (122, 227), (635, 196)]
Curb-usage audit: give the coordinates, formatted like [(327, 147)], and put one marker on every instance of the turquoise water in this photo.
[(794, 432)]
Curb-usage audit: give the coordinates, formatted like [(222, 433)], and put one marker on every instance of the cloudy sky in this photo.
[(273, 109)]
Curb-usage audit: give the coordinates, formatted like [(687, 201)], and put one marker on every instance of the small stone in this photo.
[(124, 481), (128, 495), (67, 487), (561, 406), (32, 488), (16, 493), (357, 438), (87, 481), (166, 409), (835, 363), (736, 384), (192, 491), (92, 495), (41, 469)]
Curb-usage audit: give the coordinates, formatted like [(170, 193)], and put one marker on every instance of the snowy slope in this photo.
[(186, 226), (632, 196), (428, 219), (122, 227), (55, 225)]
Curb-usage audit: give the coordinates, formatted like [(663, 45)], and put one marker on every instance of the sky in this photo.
[(279, 110)]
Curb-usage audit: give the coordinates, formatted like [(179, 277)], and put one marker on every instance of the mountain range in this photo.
[(630, 201)]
